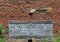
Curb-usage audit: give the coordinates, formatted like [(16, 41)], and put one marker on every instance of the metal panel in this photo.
[(30, 29)]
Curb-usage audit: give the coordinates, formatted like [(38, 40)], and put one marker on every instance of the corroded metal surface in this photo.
[(18, 10)]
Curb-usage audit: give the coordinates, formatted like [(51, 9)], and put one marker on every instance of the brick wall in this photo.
[(19, 10)]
